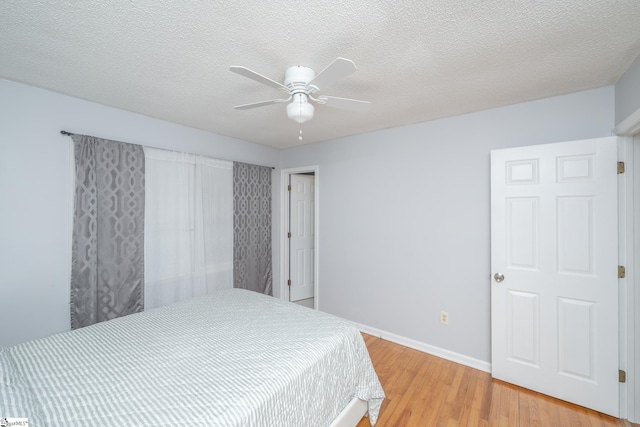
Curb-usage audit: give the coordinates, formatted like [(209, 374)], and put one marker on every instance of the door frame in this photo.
[(629, 190), (628, 408), (284, 227)]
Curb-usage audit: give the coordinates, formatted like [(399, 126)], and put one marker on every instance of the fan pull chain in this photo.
[(300, 136)]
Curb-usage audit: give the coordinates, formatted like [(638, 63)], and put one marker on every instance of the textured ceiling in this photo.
[(417, 60)]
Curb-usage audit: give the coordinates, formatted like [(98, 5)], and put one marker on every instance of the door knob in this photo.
[(499, 277)]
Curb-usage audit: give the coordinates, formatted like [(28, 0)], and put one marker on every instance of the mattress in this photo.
[(234, 358)]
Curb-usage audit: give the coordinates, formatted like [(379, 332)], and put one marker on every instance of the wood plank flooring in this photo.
[(424, 390)]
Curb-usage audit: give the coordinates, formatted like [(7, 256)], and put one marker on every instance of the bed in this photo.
[(233, 358)]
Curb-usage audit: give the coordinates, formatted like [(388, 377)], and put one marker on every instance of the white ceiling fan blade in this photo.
[(345, 103), (337, 70), (244, 71), (259, 104)]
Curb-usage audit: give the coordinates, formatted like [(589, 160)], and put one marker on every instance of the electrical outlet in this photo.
[(444, 317)]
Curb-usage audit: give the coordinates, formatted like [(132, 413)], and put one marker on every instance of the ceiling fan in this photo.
[(301, 84)]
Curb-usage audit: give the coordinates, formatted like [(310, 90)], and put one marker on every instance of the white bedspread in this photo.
[(235, 358)]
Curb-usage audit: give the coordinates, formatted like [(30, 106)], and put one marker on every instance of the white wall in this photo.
[(628, 92), (404, 215), (35, 194), (411, 202)]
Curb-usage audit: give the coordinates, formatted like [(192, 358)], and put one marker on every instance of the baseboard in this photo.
[(426, 348)]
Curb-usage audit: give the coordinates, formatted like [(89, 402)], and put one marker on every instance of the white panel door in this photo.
[(554, 257), (301, 208)]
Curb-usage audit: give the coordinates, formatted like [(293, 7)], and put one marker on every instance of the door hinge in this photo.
[(289, 187), (622, 376), (288, 235), (622, 273), (289, 282), (620, 167)]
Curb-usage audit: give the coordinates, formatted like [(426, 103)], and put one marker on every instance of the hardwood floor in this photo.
[(425, 390)]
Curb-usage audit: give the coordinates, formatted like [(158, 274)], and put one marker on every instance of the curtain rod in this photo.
[(64, 132)]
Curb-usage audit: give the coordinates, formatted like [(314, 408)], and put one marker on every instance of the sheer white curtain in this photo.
[(188, 226)]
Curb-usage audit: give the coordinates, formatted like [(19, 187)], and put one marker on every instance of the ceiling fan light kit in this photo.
[(300, 110), (301, 83)]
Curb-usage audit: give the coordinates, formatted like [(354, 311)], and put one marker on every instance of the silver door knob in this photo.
[(499, 277)]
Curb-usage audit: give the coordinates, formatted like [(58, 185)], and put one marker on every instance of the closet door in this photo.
[(302, 239)]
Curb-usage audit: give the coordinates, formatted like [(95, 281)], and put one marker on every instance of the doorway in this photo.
[(300, 207)]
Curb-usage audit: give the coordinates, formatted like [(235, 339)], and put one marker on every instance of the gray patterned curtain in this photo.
[(252, 228), (107, 272)]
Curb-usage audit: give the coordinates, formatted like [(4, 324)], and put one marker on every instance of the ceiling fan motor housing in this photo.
[(297, 78)]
